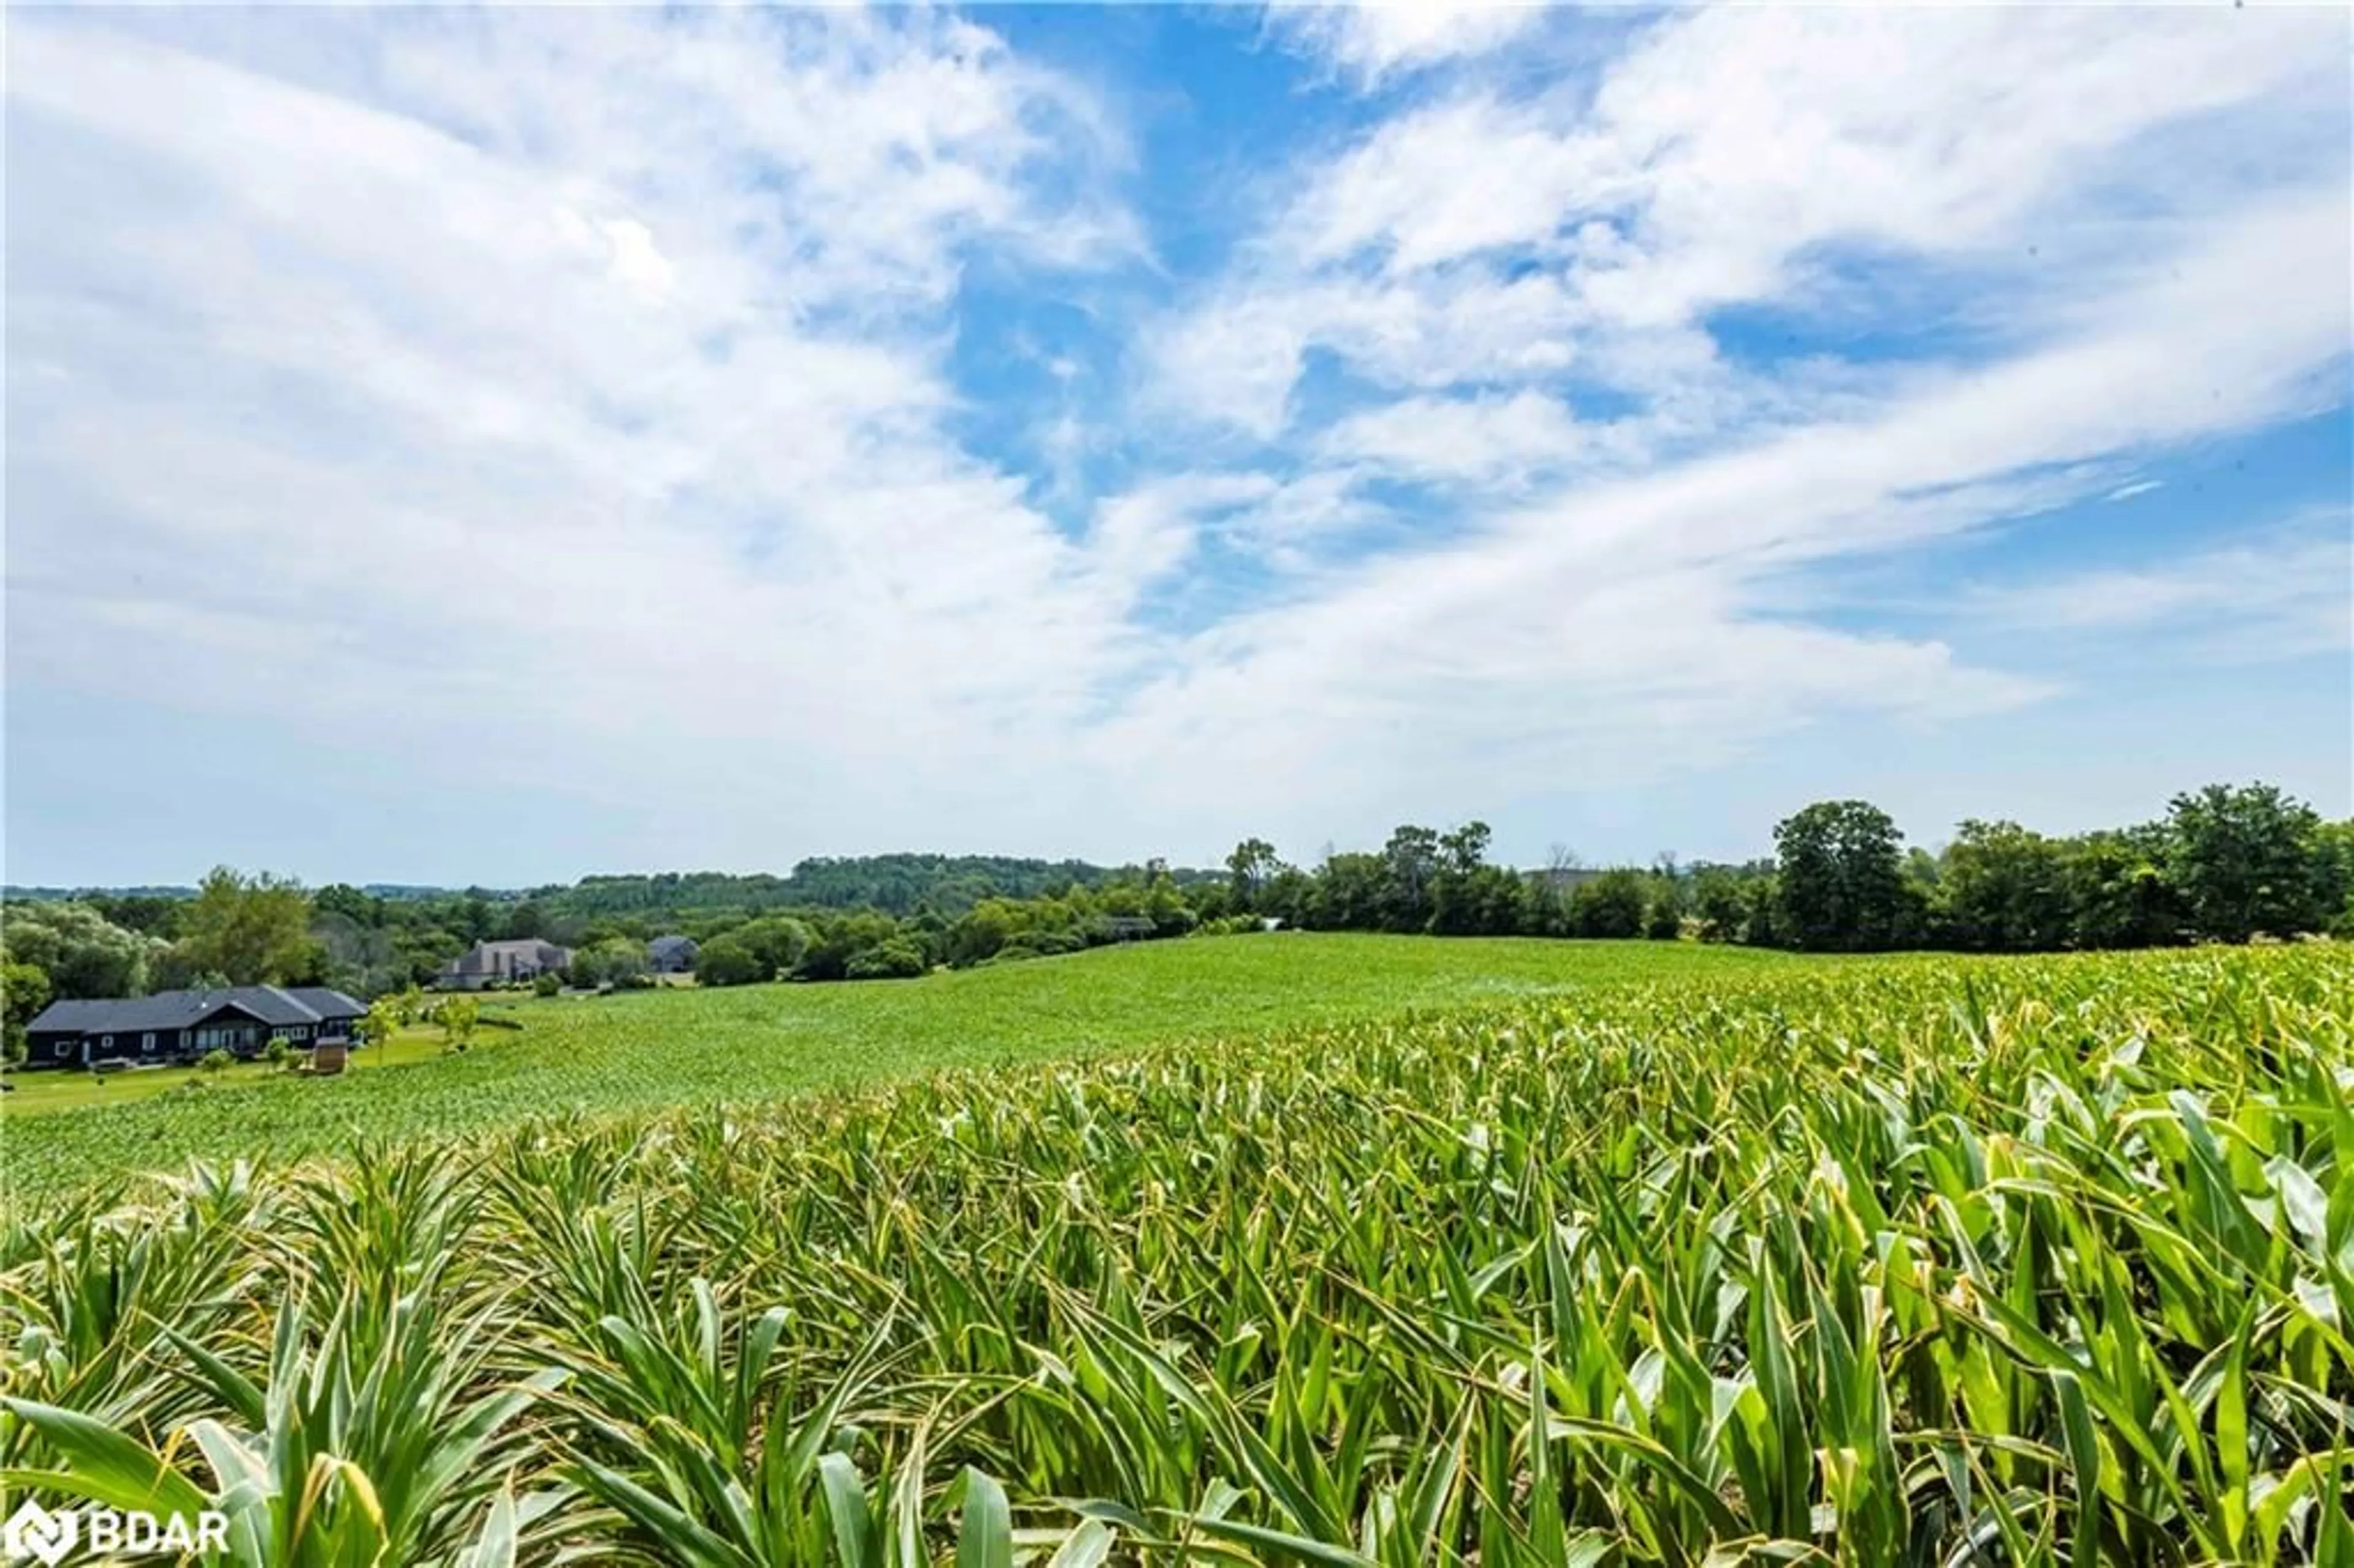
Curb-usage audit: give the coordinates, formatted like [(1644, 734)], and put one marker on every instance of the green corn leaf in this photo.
[(985, 1537)]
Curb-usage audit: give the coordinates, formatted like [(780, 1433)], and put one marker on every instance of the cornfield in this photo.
[(1931, 1262)]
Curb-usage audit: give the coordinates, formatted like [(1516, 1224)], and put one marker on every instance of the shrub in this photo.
[(729, 960), (612, 961), (846, 936), (898, 958), (277, 1052), (546, 985), (457, 1017), (215, 1061)]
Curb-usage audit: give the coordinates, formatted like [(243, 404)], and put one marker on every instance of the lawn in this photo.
[(682, 1048), (39, 1093)]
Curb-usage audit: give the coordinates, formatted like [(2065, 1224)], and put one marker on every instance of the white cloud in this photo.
[(1491, 235), (567, 416), (1629, 629), (1517, 438), (574, 398), (1373, 42)]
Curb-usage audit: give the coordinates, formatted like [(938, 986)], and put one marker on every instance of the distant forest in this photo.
[(894, 884), (2225, 864)]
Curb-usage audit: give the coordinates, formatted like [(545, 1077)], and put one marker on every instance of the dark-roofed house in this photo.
[(178, 1025), (493, 963), (671, 955)]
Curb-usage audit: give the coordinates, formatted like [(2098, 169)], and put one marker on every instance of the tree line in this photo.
[(896, 884), (2224, 864)]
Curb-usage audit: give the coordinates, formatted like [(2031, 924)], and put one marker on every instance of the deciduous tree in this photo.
[(254, 929), (1841, 878), (727, 959), (2004, 889), (2244, 860), (23, 992), (82, 953)]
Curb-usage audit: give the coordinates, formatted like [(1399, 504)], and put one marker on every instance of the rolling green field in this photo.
[(1938, 1262), (635, 1051)]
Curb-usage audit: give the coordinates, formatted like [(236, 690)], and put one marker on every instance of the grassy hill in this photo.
[(652, 1049)]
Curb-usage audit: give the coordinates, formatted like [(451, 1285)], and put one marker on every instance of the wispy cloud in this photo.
[(1631, 628), (1374, 43), (2280, 593), (1494, 235)]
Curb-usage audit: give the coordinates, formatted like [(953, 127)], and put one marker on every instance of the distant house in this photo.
[(179, 1026), (671, 955), (494, 963)]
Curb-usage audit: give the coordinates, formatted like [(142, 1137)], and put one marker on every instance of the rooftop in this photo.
[(180, 1009)]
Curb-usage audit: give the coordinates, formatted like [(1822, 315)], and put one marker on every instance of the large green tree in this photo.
[(1349, 893), (254, 929), (1611, 905), (2246, 859), (1410, 867), (1248, 871), (777, 941), (729, 960), (1841, 879), (82, 952), (2004, 889), (2118, 895)]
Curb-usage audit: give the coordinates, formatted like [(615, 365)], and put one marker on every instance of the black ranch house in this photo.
[(183, 1025)]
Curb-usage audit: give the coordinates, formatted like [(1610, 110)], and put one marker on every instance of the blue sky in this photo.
[(501, 446)]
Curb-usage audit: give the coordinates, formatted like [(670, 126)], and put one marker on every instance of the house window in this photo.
[(106, 1044), (301, 1031), (61, 1050), (146, 1044)]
